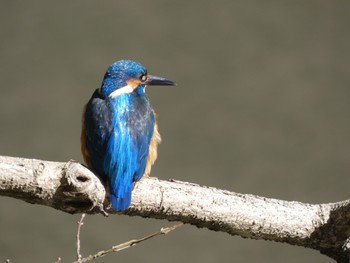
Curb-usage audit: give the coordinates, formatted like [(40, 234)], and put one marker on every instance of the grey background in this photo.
[(261, 107)]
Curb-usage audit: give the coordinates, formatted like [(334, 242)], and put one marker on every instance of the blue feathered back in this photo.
[(128, 145)]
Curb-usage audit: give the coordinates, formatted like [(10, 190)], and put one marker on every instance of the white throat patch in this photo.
[(123, 90)]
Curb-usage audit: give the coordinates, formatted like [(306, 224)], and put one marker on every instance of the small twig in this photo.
[(80, 223), (162, 231)]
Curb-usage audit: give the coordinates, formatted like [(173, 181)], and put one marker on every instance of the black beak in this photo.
[(158, 81)]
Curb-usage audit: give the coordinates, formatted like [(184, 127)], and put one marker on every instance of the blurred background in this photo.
[(261, 107)]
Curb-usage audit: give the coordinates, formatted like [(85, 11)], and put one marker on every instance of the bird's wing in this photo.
[(95, 133), (146, 137)]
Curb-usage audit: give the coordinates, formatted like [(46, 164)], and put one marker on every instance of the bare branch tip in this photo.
[(166, 230), (80, 224)]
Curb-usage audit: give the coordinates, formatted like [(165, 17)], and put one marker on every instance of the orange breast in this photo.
[(152, 154)]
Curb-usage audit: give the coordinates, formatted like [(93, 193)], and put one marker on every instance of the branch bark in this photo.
[(72, 188)]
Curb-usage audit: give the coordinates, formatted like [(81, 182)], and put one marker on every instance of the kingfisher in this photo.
[(120, 137)]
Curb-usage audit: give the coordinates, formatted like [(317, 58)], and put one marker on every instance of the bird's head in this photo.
[(127, 76)]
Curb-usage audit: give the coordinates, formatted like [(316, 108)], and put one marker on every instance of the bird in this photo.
[(120, 136)]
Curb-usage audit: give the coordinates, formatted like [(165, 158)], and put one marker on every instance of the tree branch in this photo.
[(72, 188), (127, 244)]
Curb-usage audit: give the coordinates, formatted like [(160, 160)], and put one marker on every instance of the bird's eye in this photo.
[(143, 77)]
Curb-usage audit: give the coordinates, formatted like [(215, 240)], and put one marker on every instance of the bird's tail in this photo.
[(121, 203)]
